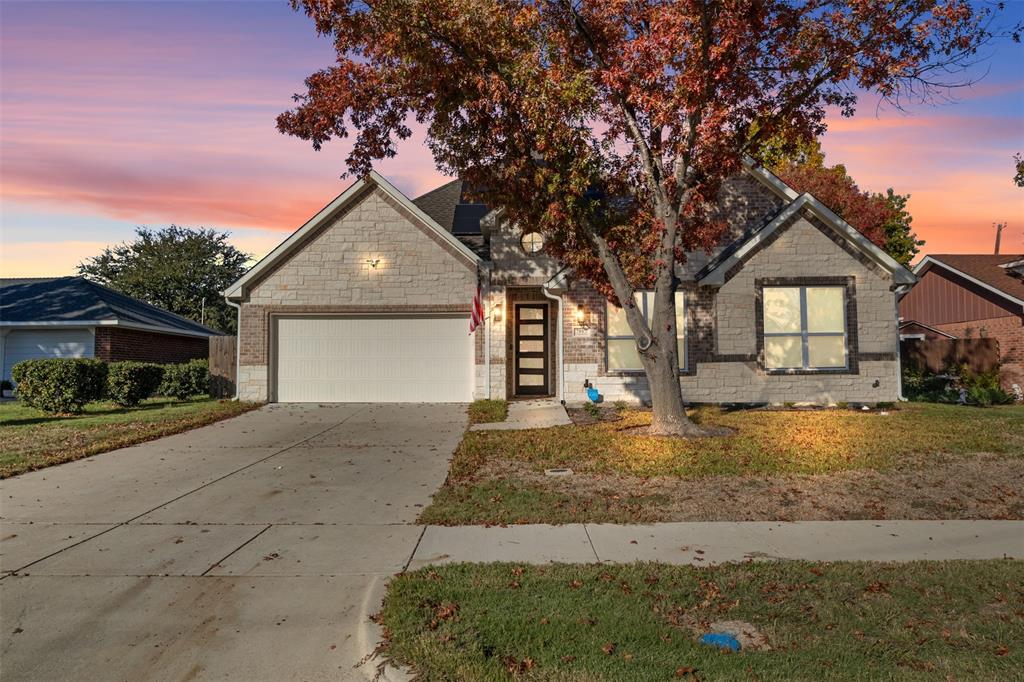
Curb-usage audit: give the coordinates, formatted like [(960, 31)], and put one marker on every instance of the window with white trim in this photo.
[(805, 327), (620, 345)]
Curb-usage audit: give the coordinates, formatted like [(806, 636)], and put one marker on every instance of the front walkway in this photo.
[(529, 414), (705, 543)]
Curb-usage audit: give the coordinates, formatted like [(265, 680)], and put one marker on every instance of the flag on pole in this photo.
[(476, 318)]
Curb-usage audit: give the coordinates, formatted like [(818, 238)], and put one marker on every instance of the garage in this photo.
[(32, 344), (373, 358)]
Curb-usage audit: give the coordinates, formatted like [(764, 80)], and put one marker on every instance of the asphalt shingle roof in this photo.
[(76, 299), (985, 268), (450, 208)]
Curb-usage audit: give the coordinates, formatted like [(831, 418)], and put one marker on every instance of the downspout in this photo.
[(487, 335), (561, 363), (238, 341), (900, 291)]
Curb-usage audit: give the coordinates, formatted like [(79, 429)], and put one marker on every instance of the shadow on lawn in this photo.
[(113, 410)]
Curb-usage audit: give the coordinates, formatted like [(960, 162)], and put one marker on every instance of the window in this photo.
[(621, 346), (532, 242), (804, 327)]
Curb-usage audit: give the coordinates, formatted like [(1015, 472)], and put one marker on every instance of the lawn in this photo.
[(958, 462), (959, 620), (30, 439), (488, 411)]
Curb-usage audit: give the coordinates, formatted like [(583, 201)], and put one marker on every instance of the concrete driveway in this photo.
[(250, 549)]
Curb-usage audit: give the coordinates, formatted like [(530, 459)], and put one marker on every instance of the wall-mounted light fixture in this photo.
[(581, 316), (373, 262), (496, 313)]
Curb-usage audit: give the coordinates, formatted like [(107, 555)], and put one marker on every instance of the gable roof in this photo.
[(298, 238), (67, 301), (450, 208), (985, 270), (713, 274)]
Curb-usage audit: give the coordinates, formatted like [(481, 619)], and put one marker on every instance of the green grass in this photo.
[(30, 439), (766, 442), (488, 411), (841, 621)]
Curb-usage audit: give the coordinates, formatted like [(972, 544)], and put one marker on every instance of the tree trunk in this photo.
[(669, 417)]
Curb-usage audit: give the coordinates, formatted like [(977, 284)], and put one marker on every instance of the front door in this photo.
[(531, 349)]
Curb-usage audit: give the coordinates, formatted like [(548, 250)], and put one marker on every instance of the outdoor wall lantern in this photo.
[(496, 313), (373, 262), (581, 316)]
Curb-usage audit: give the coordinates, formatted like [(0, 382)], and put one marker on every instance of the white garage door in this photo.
[(24, 344), (374, 359)]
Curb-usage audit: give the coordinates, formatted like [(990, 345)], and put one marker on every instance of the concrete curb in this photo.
[(370, 634)]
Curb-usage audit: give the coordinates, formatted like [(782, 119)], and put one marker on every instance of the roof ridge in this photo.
[(437, 189), (104, 289)]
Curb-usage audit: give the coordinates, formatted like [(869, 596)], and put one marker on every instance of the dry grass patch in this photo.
[(921, 461)]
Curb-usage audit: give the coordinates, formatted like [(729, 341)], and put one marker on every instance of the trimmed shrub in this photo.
[(186, 379), (129, 383), (59, 385)]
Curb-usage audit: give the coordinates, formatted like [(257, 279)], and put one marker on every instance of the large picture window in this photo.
[(621, 346), (805, 327)]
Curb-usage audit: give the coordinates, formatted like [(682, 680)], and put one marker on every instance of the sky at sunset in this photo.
[(117, 114)]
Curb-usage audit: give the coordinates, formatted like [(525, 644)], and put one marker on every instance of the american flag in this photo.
[(476, 319)]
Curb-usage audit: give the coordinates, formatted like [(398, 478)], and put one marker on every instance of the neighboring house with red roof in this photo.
[(970, 296)]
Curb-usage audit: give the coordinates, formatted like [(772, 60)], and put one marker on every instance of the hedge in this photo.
[(60, 385), (186, 379), (129, 383)]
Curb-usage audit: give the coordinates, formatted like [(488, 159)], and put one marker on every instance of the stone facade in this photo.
[(723, 365), (415, 271)]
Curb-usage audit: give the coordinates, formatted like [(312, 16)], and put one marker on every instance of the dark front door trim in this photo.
[(531, 357)]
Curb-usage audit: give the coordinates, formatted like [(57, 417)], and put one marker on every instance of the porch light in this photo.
[(373, 262), (581, 316), (496, 312)]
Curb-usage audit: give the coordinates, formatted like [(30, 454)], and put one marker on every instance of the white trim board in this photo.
[(70, 324), (901, 275), (296, 240)]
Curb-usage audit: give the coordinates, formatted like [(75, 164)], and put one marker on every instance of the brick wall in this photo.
[(114, 344), (1009, 331)]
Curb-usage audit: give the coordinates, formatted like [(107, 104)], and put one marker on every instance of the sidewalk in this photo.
[(703, 543), (529, 414)]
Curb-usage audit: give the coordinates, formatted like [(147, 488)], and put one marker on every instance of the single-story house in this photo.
[(370, 300), (971, 296), (72, 317)]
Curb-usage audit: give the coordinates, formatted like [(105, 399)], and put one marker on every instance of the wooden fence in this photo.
[(937, 355), (223, 372)]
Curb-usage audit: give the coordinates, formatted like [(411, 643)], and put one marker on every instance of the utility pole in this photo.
[(202, 308), (999, 234)]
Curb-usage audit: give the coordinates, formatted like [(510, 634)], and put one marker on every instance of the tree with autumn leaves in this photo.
[(882, 218), (610, 125)]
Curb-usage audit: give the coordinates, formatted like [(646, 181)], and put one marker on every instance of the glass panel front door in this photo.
[(531, 349)]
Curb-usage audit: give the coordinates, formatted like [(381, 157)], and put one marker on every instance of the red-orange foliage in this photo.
[(611, 124)]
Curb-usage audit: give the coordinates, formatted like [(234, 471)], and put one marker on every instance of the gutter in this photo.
[(238, 341)]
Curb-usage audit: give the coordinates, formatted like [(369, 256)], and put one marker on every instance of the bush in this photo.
[(60, 385), (957, 385), (186, 379), (129, 383)]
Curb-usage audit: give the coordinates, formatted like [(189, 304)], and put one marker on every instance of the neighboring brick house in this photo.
[(370, 301), (73, 317), (971, 295)]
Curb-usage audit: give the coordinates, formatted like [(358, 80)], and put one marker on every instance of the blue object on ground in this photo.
[(721, 640), (593, 394)]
